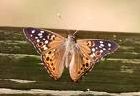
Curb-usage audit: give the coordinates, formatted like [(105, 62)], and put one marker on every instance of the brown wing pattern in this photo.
[(54, 61), (43, 39), (79, 65), (87, 53), (51, 46)]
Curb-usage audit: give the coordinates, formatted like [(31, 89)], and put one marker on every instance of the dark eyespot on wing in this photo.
[(47, 58)]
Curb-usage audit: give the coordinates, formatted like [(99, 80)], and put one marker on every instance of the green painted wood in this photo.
[(118, 72)]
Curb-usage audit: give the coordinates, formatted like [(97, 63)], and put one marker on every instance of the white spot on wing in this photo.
[(104, 49), (48, 36), (46, 42), (93, 49), (101, 51), (33, 31), (44, 47), (36, 37), (37, 40), (101, 41), (109, 44), (102, 45), (93, 54), (42, 31), (54, 50), (53, 36), (39, 34)]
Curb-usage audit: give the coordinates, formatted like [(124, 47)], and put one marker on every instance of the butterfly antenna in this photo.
[(75, 32)]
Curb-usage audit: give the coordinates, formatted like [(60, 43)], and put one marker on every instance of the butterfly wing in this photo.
[(50, 46), (43, 39), (87, 53), (54, 61)]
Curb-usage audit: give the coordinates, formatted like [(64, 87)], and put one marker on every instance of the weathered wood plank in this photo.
[(19, 60)]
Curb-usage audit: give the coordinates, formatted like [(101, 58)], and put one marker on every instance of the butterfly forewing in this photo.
[(97, 48), (43, 39), (87, 53), (51, 47)]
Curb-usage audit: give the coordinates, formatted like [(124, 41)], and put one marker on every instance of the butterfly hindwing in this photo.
[(50, 46), (87, 53), (53, 60), (79, 65)]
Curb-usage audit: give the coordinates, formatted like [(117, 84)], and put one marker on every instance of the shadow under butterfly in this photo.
[(58, 52)]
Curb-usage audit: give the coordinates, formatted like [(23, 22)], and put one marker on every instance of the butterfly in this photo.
[(58, 52)]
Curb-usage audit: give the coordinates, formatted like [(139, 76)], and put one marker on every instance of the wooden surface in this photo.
[(118, 72)]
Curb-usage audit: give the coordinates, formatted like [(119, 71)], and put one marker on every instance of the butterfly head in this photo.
[(71, 37)]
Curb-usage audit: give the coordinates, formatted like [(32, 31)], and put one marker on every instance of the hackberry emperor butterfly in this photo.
[(58, 52)]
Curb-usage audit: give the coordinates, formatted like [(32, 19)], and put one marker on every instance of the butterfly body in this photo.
[(57, 52), (69, 46), (70, 43)]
